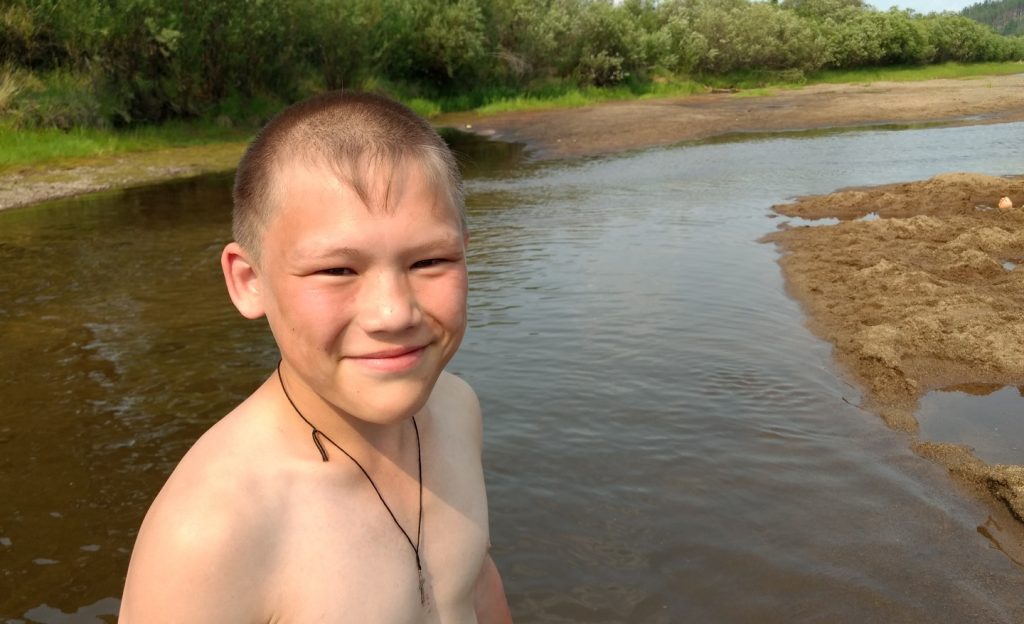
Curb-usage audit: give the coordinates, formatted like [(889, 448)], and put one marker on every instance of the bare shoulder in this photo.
[(207, 536), (458, 389), (457, 407)]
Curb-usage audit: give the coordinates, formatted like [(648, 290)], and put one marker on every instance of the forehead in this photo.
[(315, 191)]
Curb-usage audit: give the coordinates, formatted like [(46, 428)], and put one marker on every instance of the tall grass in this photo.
[(574, 96), (752, 80), (32, 146), (915, 73), (10, 86)]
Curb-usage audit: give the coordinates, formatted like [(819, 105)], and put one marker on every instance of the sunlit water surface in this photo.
[(665, 441)]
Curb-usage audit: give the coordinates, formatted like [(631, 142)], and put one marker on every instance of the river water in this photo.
[(665, 440)]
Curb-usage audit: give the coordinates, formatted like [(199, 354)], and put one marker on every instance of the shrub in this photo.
[(821, 10), (529, 38), (871, 38), (451, 40), (611, 45), (143, 61), (59, 99), (756, 36), (956, 38)]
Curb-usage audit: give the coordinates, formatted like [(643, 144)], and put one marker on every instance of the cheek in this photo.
[(445, 301), (314, 312)]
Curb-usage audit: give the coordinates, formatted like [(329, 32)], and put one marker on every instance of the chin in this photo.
[(390, 414), (393, 405)]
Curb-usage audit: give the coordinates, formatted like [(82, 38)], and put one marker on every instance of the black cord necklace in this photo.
[(317, 434)]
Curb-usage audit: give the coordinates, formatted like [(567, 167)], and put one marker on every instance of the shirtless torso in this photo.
[(254, 527), (351, 242)]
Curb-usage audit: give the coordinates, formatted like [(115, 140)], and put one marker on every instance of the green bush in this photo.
[(451, 42), (821, 10), (870, 38), (58, 99), (757, 36), (532, 39), (124, 62), (605, 45), (956, 38)]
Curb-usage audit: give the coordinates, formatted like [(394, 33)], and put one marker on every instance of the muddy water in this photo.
[(987, 418), (665, 441)]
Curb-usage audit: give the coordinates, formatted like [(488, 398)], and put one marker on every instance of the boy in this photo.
[(348, 487)]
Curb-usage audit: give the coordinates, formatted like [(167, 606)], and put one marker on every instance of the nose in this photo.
[(389, 304)]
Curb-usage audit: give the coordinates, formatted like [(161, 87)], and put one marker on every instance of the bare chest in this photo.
[(343, 558)]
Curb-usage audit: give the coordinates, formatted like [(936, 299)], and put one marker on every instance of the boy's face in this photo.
[(367, 306)]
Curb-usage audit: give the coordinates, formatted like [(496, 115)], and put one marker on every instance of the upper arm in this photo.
[(468, 408), (195, 561), (489, 599)]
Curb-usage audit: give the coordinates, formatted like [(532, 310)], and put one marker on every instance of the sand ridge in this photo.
[(918, 288)]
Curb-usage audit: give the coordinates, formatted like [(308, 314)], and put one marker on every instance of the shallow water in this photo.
[(665, 441), (989, 419)]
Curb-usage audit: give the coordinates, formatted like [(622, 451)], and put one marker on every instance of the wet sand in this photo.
[(593, 130), (79, 176), (917, 288), (620, 126)]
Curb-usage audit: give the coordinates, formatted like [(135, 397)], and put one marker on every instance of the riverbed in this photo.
[(665, 440)]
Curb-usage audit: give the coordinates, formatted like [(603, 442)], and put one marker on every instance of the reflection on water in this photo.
[(479, 156), (665, 440), (100, 612), (987, 418)]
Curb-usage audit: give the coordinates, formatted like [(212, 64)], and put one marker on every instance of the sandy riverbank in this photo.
[(620, 126), (924, 294), (31, 185), (594, 130)]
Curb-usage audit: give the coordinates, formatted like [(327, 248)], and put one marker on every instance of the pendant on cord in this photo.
[(424, 597)]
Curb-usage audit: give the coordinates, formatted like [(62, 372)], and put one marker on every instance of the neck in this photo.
[(319, 438), (306, 411)]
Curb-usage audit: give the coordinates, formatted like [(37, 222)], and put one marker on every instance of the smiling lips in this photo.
[(396, 360)]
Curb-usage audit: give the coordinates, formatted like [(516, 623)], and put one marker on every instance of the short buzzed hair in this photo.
[(352, 134)]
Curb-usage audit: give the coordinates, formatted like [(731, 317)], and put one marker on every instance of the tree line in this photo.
[(123, 62), (1004, 16)]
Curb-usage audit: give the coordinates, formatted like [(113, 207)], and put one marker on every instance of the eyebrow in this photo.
[(315, 254), (329, 252), (439, 242)]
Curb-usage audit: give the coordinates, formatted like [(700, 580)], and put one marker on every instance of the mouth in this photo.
[(396, 359)]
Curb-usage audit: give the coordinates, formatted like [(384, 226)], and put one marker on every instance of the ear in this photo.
[(243, 281)]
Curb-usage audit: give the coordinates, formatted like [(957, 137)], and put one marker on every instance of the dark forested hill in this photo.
[(1004, 16)]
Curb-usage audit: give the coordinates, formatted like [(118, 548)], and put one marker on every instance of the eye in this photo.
[(337, 271), (426, 264)]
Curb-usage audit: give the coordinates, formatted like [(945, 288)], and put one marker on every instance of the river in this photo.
[(665, 440)]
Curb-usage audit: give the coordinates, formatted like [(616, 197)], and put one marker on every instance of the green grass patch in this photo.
[(757, 83), (916, 73), (424, 107), (756, 92), (31, 146), (575, 97)]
